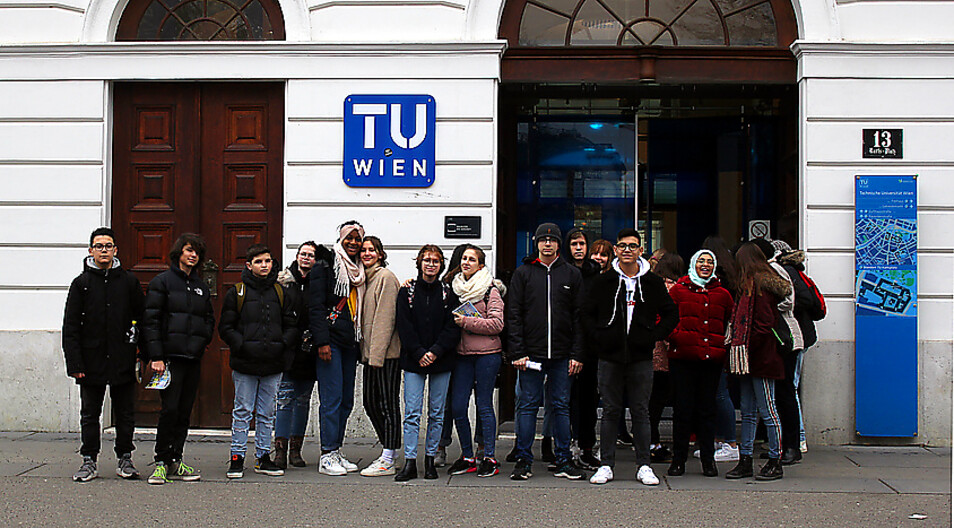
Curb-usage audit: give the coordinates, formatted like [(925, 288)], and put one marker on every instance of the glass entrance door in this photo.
[(575, 172)]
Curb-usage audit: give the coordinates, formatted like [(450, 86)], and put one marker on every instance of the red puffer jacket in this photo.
[(704, 313)]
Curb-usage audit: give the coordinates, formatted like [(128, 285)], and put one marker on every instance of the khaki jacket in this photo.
[(380, 339)]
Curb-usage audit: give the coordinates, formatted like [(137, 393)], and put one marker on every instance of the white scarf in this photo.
[(349, 273), (475, 288)]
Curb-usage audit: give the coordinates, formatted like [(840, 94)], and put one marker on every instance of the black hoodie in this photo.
[(262, 336), (100, 308)]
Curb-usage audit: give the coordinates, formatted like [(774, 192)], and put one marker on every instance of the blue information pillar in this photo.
[(886, 306)]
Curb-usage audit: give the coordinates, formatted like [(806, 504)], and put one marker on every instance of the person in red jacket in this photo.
[(696, 355)]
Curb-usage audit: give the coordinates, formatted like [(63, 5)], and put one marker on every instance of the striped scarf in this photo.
[(740, 326)]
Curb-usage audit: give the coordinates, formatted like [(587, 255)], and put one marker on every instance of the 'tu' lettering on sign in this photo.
[(389, 140)]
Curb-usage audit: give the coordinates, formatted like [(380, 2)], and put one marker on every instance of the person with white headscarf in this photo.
[(697, 354), (335, 301)]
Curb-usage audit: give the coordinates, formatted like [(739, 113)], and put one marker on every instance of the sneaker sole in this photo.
[(521, 477), (234, 475), (157, 482), (131, 476), (462, 472), (567, 476), (193, 478), (484, 475), (330, 474), (385, 473), (599, 482), (85, 479), (270, 472)]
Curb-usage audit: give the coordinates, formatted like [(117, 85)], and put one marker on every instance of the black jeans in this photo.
[(91, 408), (694, 387), (658, 400), (635, 380), (177, 400), (787, 405), (584, 399)]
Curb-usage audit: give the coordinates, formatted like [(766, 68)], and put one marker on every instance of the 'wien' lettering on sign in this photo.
[(389, 140)]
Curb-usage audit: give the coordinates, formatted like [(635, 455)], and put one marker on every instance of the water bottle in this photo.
[(132, 335)]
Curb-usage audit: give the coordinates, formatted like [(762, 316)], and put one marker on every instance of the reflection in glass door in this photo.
[(575, 172)]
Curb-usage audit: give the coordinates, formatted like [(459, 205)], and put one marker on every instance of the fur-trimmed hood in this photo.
[(773, 283), (792, 258)]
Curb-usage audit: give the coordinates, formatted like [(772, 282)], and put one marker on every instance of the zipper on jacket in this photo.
[(549, 325)]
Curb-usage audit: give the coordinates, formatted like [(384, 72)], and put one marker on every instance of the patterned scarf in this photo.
[(739, 327), (349, 277)]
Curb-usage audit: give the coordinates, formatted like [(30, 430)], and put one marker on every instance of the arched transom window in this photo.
[(159, 20), (648, 23)]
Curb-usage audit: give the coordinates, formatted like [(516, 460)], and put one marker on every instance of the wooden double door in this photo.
[(203, 158)]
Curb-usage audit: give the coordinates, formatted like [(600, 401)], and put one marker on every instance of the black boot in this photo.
[(546, 450), (409, 472), (742, 469), (430, 470), (791, 456), (772, 470), (676, 469), (709, 468)]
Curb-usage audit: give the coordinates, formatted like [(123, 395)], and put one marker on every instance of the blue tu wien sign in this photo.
[(389, 140)]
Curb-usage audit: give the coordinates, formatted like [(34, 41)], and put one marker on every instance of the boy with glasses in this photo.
[(99, 341), (627, 311)]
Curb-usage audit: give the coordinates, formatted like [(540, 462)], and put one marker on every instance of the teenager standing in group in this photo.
[(627, 311), (696, 359), (336, 297), (177, 325), (670, 267), (259, 324), (99, 343), (298, 382), (754, 357), (381, 355), (544, 319), (478, 359), (429, 338)]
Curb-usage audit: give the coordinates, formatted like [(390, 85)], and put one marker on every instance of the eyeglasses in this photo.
[(307, 255), (431, 262), (623, 246), (101, 247)]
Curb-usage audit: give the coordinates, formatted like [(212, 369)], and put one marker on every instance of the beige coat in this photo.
[(379, 339)]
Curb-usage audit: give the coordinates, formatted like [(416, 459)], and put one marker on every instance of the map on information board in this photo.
[(885, 242), (887, 293)]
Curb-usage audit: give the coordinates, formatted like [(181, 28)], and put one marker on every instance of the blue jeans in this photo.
[(253, 393), (475, 373), (294, 403), (725, 412), (335, 395), (414, 405), (797, 380), (758, 398), (532, 386)]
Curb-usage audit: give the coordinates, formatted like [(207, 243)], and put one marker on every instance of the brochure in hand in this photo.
[(467, 310), (160, 381)]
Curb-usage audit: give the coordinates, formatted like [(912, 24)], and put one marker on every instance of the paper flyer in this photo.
[(160, 381)]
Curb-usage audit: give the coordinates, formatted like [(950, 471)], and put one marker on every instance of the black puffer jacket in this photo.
[(100, 309), (654, 317), (543, 311), (178, 321), (303, 362), (428, 326), (322, 300), (807, 306), (261, 337)]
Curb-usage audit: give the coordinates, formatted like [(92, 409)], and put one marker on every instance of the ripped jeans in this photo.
[(294, 404)]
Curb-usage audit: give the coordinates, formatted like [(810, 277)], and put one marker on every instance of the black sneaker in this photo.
[(87, 471), (660, 454), (772, 470), (624, 439), (463, 465), (265, 466), (512, 455), (125, 468), (236, 467), (522, 471), (568, 471), (589, 461), (488, 468)]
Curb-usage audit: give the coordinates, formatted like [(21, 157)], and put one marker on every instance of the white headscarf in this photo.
[(349, 273)]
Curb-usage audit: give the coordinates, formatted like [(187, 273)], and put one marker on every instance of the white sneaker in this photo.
[(717, 446), (349, 466), (603, 475), (803, 446), (646, 476), (329, 465), (727, 453), (378, 468)]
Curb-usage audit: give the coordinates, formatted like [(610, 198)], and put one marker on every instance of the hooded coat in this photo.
[(605, 314), (100, 308), (178, 321), (764, 358), (428, 327), (303, 361), (807, 307), (263, 335)]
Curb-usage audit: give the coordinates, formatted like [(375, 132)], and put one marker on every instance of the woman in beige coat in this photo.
[(380, 354)]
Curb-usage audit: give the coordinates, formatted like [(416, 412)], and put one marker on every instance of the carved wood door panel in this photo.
[(205, 158)]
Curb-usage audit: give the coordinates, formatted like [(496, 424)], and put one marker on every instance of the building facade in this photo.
[(690, 118)]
